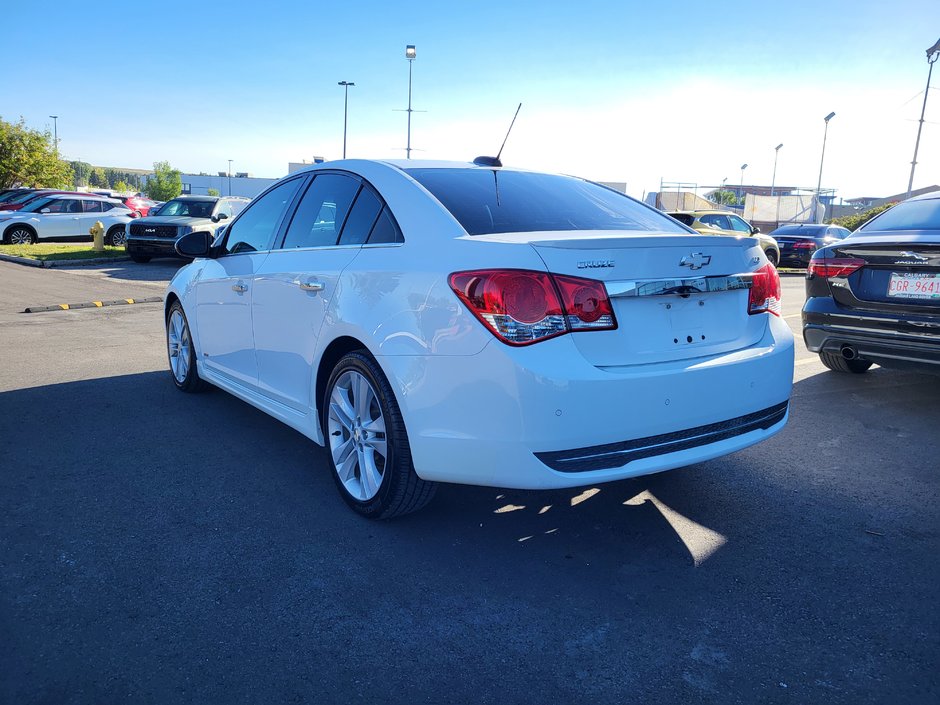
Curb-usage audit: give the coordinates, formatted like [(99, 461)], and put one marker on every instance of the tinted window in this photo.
[(716, 221), (254, 229), (493, 201), (911, 215), (92, 206), (196, 209), (385, 230), (739, 225), (361, 218), (684, 218), (801, 230), (321, 212)]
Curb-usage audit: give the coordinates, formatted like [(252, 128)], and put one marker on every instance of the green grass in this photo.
[(47, 252)]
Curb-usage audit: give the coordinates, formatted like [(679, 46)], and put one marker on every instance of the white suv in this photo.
[(58, 217)]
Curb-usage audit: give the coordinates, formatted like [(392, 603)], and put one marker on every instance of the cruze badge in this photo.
[(695, 261), (595, 263)]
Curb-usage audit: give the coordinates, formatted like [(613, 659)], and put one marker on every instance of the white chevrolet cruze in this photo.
[(451, 322)]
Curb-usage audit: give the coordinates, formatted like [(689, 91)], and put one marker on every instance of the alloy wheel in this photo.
[(179, 346), (357, 436), (21, 236)]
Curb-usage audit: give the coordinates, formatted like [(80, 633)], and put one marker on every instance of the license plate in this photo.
[(914, 285)]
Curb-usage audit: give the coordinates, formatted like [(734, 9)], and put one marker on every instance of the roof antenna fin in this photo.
[(494, 161)]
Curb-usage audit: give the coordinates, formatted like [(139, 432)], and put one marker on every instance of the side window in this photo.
[(361, 218), (253, 231), (224, 208), (59, 205), (716, 221), (385, 229), (322, 211), (72, 205), (92, 206), (739, 225)]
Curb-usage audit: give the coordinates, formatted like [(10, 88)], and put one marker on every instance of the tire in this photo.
[(181, 352), (367, 442), (140, 259), (20, 235), (116, 236), (837, 363), (772, 257)]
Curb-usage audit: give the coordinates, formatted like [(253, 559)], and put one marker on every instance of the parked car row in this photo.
[(15, 199)]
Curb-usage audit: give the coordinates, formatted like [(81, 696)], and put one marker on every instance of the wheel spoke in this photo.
[(379, 446), (375, 426), (340, 409), (345, 459), (363, 398), (368, 472)]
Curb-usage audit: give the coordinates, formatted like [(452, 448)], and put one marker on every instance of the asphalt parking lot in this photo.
[(159, 547)]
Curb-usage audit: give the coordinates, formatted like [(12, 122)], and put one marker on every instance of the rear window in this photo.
[(486, 201), (911, 215), (684, 218), (799, 230)]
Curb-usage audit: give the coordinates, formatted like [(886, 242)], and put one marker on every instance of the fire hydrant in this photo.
[(97, 235)]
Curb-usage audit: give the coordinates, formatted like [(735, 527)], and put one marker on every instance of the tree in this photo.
[(213, 192), (97, 178), (122, 186), (166, 182), (725, 198), (853, 222), (29, 158)]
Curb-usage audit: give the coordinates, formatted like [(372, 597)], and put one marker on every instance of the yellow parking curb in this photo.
[(94, 304)]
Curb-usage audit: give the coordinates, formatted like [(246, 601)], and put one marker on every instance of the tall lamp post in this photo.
[(741, 188), (345, 85), (773, 179), (821, 158), (410, 55), (55, 132), (932, 54), (229, 177)]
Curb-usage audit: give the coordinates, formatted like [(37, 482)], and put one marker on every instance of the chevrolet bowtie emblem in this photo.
[(696, 260)]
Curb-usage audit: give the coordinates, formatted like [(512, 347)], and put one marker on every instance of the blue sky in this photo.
[(610, 90)]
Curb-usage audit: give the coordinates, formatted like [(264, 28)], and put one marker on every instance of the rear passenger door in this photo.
[(296, 285), (63, 220)]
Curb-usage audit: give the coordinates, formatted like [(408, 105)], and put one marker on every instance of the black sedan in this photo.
[(798, 242), (875, 297)]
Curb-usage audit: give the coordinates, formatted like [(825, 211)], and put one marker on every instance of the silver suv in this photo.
[(156, 235)]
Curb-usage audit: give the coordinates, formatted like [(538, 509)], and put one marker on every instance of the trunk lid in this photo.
[(671, 294), (903, 275)]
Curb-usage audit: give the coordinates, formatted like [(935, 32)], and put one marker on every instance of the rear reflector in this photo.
[(522, 307), (834, 266), (764, 294)]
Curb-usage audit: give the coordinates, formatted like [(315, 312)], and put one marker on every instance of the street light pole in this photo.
[(741, 188), (410, 55), (932, 54), (773, 179), (345, 85), (55, 131), (821, 158), (229, 177)]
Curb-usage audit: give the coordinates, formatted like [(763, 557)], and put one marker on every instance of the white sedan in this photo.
[(65, 217), (452, 322)]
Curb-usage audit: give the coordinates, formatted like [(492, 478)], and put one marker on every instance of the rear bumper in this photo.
[(517, 417), (882, 339)]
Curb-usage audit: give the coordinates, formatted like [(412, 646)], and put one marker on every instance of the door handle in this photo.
[(309, 284), (239, 288)]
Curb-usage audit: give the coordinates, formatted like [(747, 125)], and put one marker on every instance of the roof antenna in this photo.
[(494, 161)]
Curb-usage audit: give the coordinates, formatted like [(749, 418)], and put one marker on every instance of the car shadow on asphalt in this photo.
[(157, 270)]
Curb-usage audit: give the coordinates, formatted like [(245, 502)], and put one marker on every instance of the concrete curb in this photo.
[(94, 304), (47, 264)]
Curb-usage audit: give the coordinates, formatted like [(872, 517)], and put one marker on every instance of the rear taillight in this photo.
[(764, 294), (522, 307), (804, 245), (834, 266)]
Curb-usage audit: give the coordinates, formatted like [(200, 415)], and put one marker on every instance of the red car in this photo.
[(25, 199), (139, 205)]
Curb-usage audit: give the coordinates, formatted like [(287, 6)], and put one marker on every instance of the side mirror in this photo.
[(754, 230), (194, 244), (219, 216)]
